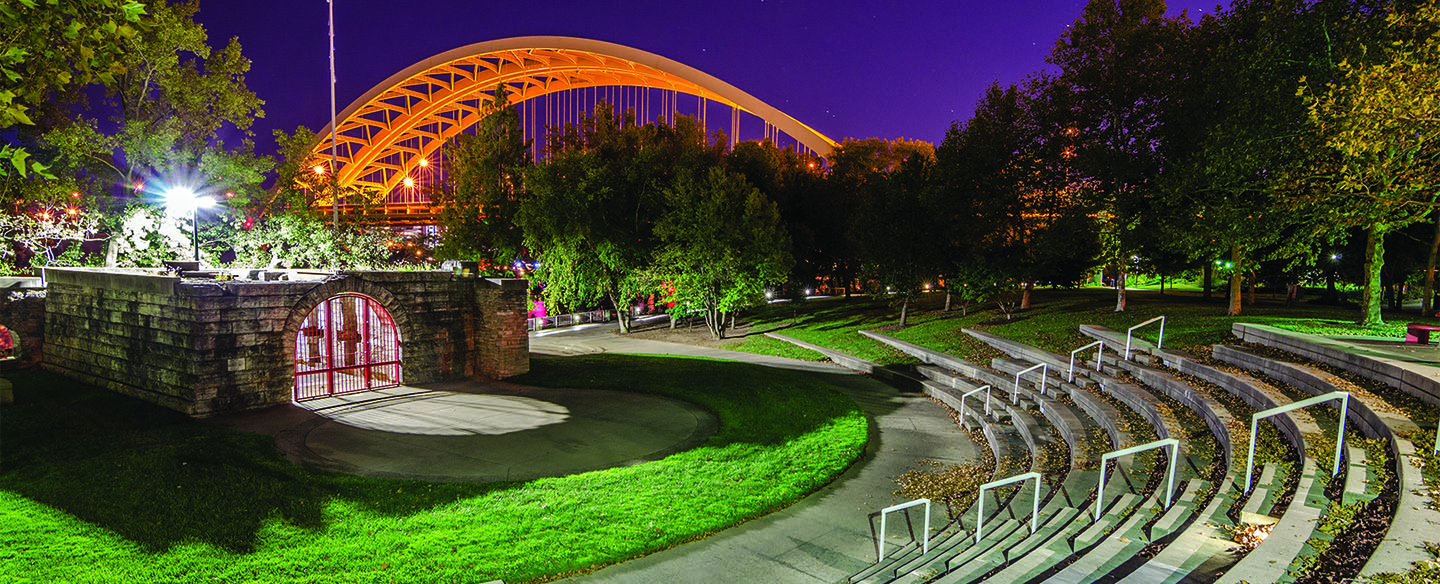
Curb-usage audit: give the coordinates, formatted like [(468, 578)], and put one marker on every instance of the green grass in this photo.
[(764, 345), (1052, 323), (96, 487)]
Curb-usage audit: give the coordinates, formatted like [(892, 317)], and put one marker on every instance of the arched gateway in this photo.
[(348, 342)]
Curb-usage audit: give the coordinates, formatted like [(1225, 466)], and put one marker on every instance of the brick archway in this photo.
[(348, 342), (385, 310)]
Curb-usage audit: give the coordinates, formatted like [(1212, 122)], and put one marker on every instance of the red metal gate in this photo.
[(348, 343)]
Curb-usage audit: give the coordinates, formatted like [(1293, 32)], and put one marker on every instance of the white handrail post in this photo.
[(985, 389), (925, 545), (1100, 344), (1174, 445), (1034, 505), (1131, 331), (1015, 395), (1255, 418)]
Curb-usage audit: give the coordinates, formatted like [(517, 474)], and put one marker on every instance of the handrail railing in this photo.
[(1343, 396), (1044, 372), (1098, 353), (1108, 456), (985, 389), (980, 502), (925, 546), (1158, 342), (557, 320)]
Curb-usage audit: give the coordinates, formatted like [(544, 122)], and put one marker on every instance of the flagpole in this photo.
[(334, 167)]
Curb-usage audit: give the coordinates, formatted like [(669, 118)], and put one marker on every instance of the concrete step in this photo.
[(1021, 542)]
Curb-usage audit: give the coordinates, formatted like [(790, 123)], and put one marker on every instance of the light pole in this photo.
[(184, 199)]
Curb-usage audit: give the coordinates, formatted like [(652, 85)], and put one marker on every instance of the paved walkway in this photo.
[(821, 538)]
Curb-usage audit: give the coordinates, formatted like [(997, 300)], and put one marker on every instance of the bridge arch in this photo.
[(402, 121)]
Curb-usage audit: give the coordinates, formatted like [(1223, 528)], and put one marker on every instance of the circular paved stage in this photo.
[(469, 431)]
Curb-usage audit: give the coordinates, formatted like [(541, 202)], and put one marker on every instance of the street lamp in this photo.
[(181, 199)]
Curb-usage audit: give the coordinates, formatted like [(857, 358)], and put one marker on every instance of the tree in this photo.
[(52, 49), (1117, 71), (1381, 119), (894, 234), (169, 105), (485, 190), (722, 244), (595, 201), (1224, 196), (853, 165)]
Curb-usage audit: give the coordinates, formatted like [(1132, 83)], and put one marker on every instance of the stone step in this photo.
[(1020, 542), (955, 540), (1270, 559), (1358, 477)]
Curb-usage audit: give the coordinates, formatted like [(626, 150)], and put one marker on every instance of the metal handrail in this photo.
[(985, 389), (925, 545), (1158, 342), (1108, 456), (1098, 353), (1343, 396), (980, 502), (1044, 372)]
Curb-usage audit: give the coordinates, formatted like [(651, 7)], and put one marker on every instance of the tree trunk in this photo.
[(622, 315), (1209, 276), (1427, 297), (735, 320), (672, 321), (1025, 296), (1162, 284), (1252, 287), (947, 301), (904, 310), (1120, 288), (1374, 263), (1235, 281)]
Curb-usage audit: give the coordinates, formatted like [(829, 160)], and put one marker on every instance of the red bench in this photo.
[(1419, 333)]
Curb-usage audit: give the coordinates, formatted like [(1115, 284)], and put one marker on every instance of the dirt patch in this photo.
[(695, 333)]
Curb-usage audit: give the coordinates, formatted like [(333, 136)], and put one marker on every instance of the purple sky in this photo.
[(847, 68)]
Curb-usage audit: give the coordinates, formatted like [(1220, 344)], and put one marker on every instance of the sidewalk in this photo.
[(823, 537)]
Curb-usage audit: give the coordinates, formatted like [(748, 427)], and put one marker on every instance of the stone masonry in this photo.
[(208, 347)]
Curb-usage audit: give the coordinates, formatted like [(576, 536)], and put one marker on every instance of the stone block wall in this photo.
[(208, 347), (22, 310)]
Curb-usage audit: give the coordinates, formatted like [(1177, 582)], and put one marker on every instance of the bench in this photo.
[(1419, 333)]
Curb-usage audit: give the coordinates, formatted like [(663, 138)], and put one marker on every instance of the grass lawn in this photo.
[(96, 487), (1052, 323)]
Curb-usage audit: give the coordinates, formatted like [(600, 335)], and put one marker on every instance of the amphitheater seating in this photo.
[(1188, 540)]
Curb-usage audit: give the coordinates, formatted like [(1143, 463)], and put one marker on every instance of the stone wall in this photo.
[(22, 310), (207, 347)]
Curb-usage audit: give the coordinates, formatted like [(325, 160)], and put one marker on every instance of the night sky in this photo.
[(847, 68)]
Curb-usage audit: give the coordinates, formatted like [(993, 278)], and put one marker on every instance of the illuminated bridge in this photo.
[(389, 141)]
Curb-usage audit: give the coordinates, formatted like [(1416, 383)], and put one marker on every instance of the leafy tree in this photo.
[(39, 235), (1225, 195), (50, 50), (1118, 67), (722, 244), (1382, 120), (479, 203), (308, 241), (892, 232), (593, 205), (161, 123), (853, 165)]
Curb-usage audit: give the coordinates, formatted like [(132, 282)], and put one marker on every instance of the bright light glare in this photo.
[(184, 199), (409, 182)]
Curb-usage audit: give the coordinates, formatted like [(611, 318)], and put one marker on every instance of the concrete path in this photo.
[(823, 537)]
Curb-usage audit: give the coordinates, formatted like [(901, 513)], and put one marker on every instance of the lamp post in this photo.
[(184, 199)]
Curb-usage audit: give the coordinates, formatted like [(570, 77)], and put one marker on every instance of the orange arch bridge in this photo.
[(387, 138)]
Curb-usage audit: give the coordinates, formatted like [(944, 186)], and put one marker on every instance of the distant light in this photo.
[(1334, 256), (75, 195), (807, 291), (409, 182), (812, 165), (72, 211), (318, 169), (424, 162), (769, 294), (229, 195)]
